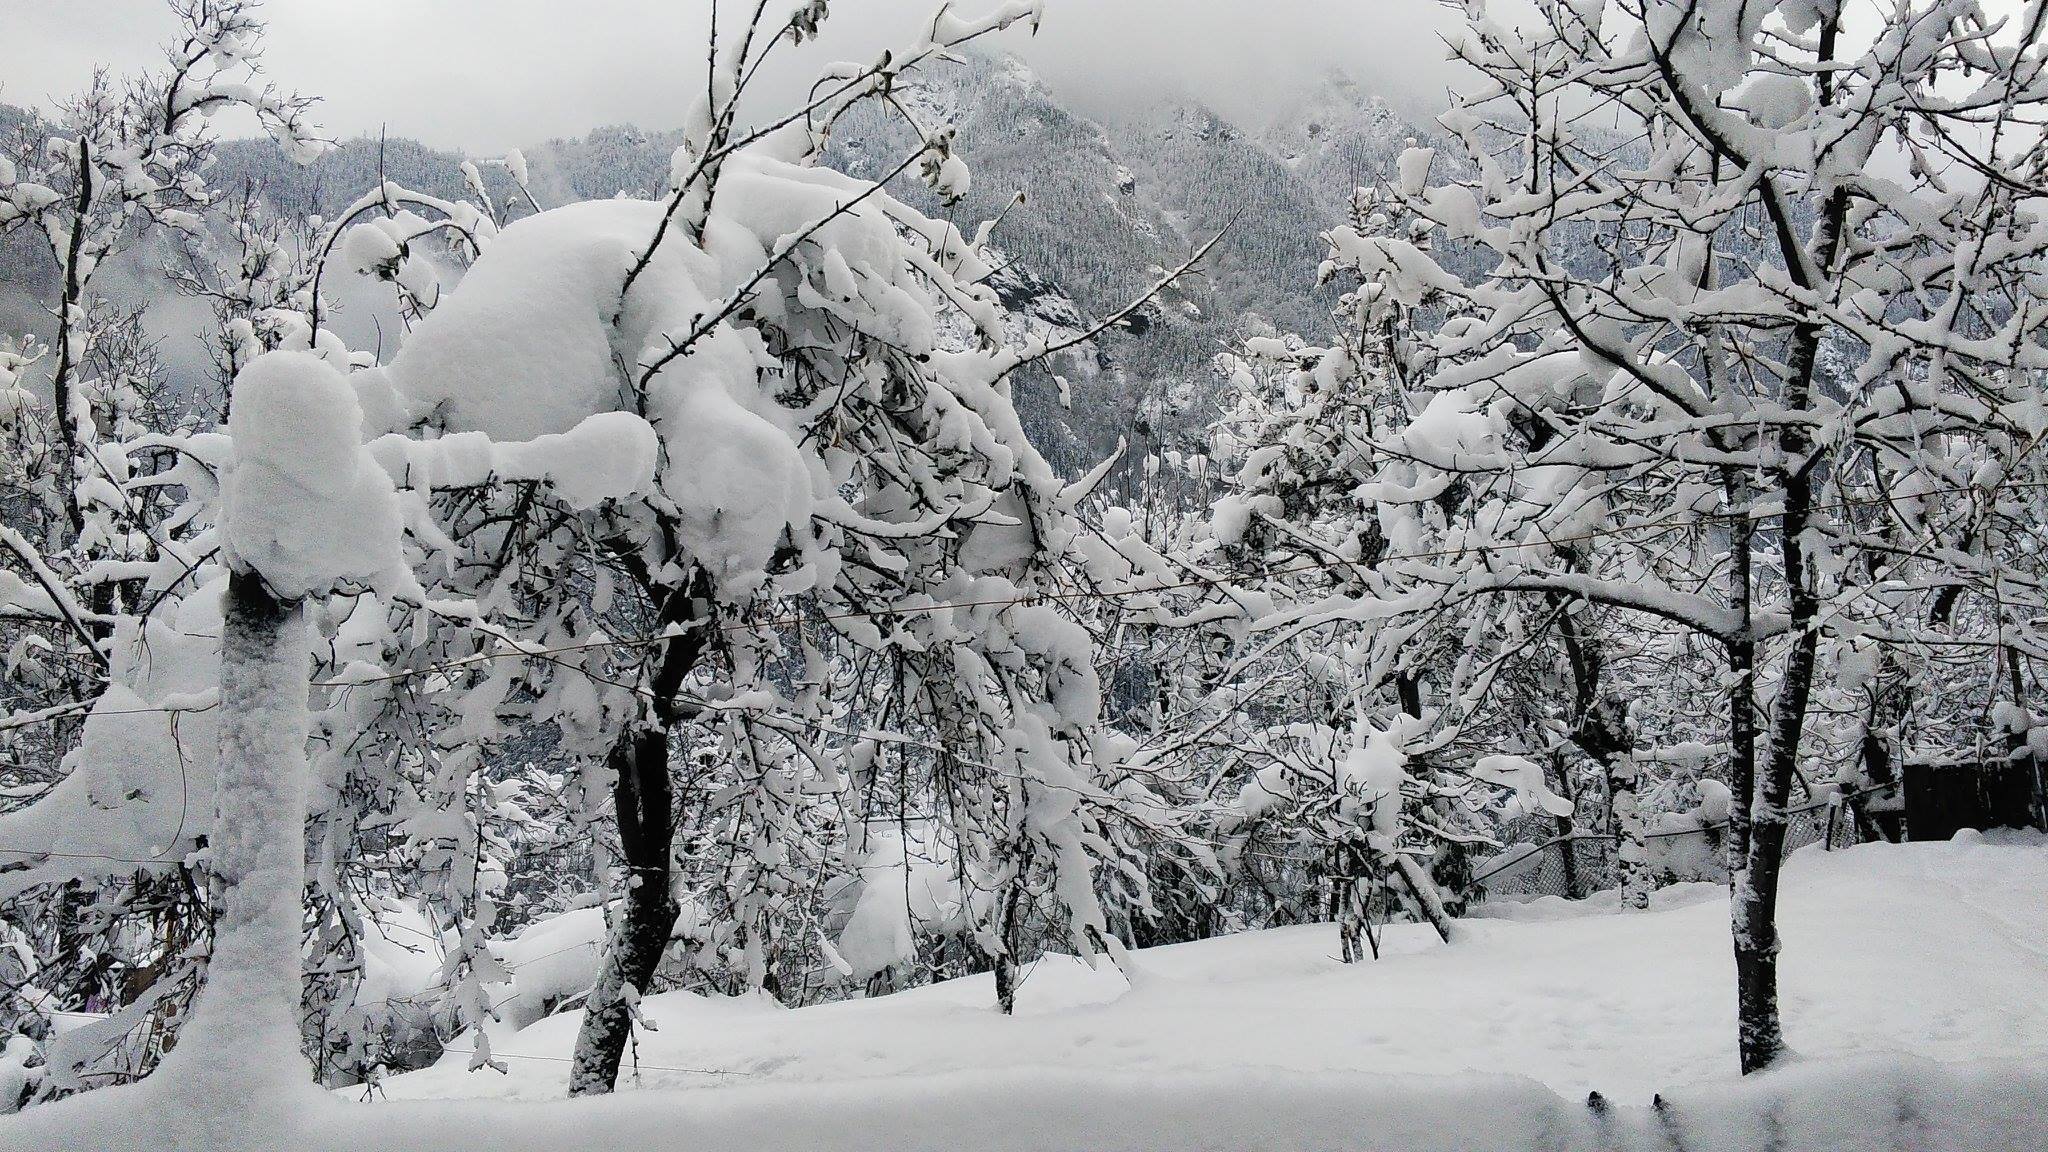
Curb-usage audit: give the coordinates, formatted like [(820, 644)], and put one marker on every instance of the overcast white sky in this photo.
[(484, 75)]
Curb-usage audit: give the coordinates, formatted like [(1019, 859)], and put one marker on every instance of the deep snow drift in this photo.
[(1912, 984)]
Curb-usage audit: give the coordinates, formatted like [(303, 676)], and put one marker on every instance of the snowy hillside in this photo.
[(1881, 958), (1917, 1016)]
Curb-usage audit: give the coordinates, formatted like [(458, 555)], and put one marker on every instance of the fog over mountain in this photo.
[(1107, 201), (461, 75)]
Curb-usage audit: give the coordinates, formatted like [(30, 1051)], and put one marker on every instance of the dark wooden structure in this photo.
[(1942, 799)]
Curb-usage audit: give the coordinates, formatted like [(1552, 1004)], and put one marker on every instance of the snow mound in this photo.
[(1867, 1106)]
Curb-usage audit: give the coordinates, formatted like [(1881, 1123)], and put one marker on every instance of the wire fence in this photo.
[(1578, 864)]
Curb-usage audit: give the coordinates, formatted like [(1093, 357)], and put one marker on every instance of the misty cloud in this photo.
[(484, 77)]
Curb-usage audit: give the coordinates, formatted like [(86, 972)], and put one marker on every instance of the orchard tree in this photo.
[(1387, 764), (1754, 355), (852, 562)]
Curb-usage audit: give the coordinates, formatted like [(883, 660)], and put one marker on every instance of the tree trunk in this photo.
[(1005, 959), (1558, 775), (1428, 900), (1891, 699), (1880, 767), (2022, 767), (1351, 888), (1601, 730), (62, 379), (1347, 908), (1741, 698), (1754, 890), (645, 917), (241, 1048), (643, 801), (1632, 851)]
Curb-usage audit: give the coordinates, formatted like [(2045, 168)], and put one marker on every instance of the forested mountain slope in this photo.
[(1105, 207), (1092, 212)]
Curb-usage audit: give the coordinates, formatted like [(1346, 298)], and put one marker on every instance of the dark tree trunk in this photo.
[(1428, 901), (1754, 888), (1879, 814), (62, 379), (1874, 822), (1601, 730), (644, 803), (2022, 769), (1741, 702), (1754, 895), (1408, 689), (645, 918), (1574, 883), (1351, 889), (1005, 959)]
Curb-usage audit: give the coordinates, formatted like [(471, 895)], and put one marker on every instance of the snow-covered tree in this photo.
[(1668, 221), (1349, 762), (122, 166), (852, 565), (121, 162)]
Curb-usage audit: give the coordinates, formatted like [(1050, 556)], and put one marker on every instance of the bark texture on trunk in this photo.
[(1352, 885), (1560, 779), (1005, 960), (1428, 901), (63, 379), (1741, 697), (643, 799), (645, 918), (1601, 730), (1754, 888)]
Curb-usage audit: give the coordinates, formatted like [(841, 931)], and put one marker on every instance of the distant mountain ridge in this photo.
[(1106, 205)]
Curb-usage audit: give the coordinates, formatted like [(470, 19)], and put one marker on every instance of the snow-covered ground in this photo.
[(1931, 950), (1913, 981)]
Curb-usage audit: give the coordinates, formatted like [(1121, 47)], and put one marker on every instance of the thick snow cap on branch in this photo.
[(538, 339), (1525, 776), (1372, 775), (527, 349), (608, 456), (307, 506)]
